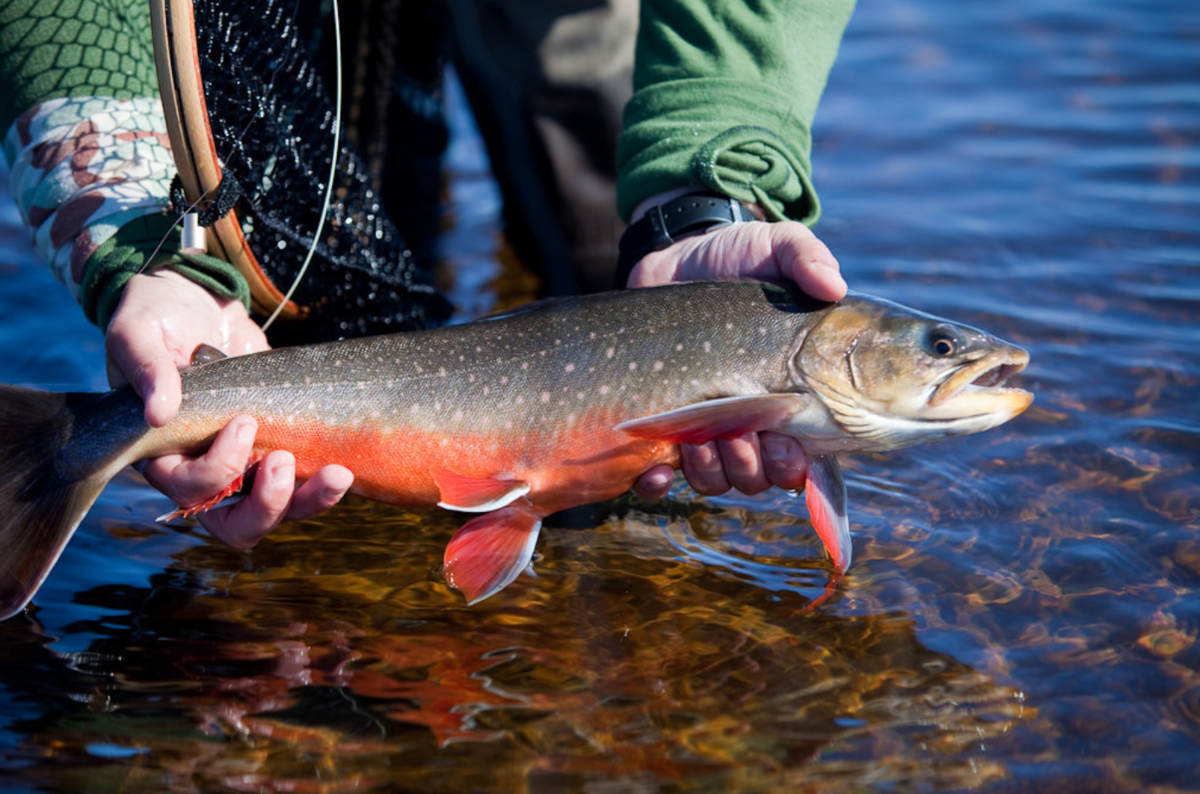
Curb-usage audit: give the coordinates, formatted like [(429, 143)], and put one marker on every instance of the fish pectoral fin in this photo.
[(490, 551), (825, 494), (476, 494), (727, 417)]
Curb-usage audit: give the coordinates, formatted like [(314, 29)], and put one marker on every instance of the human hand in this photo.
[(778, 252), (161, 319)]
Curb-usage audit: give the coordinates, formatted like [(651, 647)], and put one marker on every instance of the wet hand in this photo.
[(777, 252), (273, 498), (160, 321)]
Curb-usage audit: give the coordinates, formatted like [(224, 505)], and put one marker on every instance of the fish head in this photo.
[(891, 376)]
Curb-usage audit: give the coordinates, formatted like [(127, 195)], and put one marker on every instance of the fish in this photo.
[(518, 416)]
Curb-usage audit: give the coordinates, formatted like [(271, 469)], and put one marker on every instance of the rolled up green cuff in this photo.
[(670, 140), (149, 243)]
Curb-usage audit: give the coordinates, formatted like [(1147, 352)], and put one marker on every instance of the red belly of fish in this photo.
[(565, 467)]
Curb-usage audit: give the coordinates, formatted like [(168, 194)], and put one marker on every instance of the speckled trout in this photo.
[(516, 417)]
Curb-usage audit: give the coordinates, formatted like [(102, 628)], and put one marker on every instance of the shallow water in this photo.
[(1023, 612)]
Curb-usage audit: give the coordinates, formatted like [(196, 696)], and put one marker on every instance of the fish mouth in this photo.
[(978, 387)]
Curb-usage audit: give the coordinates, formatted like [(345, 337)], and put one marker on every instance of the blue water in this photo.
[(1023, 614)]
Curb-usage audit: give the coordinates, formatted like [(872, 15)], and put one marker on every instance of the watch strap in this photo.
[(673, 220)]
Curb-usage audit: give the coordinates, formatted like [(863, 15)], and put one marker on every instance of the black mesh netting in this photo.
[(272, 120)]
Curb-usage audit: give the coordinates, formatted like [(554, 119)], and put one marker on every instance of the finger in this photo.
[(784, 461), (703, 469), (242, 525), (192, 480), (325, 489), (655, 483), (742, 462), (807, 261), (142, 360)]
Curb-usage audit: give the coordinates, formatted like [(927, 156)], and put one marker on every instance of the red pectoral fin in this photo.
[(825, 494), (728, 417), (490, 551), (476, 494)]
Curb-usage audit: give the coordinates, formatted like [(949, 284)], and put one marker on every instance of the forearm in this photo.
[(86, 144), (724, 97)]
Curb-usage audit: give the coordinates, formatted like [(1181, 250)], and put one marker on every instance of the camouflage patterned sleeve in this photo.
[(87, 148)]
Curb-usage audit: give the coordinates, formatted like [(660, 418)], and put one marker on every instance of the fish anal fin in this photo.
[(825, 494), (476, 494), (207, 504), (490, 551), (727, 417)]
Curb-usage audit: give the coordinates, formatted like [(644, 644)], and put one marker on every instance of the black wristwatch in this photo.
[(673, 220)]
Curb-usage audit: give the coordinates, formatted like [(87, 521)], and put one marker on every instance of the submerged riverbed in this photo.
[(1024, 608)]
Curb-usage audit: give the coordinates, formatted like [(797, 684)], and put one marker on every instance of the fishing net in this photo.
[(265, 68)]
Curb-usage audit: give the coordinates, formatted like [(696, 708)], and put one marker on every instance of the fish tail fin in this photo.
[(40, 505)]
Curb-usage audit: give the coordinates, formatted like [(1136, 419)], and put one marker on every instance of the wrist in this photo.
[(661, 220)]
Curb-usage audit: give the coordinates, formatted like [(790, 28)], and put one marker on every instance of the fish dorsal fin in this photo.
[(206, 354), (727, 417), (490, 551), (825, 495), (476, 494)]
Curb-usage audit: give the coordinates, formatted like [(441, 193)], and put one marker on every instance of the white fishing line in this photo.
[(333, 162)]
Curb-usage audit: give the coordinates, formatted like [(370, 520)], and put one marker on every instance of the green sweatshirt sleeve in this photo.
[(724, 96)]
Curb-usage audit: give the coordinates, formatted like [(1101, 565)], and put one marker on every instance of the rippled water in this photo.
[(1023, 612)]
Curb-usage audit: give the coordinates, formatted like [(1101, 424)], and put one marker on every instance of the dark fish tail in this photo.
[(42, 501)]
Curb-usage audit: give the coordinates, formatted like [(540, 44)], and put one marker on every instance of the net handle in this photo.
[(177, 62)]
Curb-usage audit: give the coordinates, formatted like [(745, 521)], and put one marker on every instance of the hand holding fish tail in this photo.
[(161, 320)]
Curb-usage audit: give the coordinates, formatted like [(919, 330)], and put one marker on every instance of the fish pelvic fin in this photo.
[(490, 551), (41, 502), (727, 417), (825, 495), (476, 494)]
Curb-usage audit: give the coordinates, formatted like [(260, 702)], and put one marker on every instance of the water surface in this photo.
[(1023, 611)]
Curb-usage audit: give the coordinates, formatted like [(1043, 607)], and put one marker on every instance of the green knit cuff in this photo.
[(670, 141), (132, 250)]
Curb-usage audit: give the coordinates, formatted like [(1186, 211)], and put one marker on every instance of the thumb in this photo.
[(143, 361)]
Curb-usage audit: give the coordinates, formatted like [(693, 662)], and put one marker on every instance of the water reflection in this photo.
[(256, 674)]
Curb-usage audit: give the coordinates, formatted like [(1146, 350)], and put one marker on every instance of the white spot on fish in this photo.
[(707, 347), (520, 400), (728, 326), (504, 379), (604, 390), (569, 368), (679, 346), (607, 354), (441, 372), (524, 365), (458, 415), (632, 366), (545, 396), (658, 365), (578, 395)]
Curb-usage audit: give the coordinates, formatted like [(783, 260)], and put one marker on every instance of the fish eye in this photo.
[(943, 341)]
